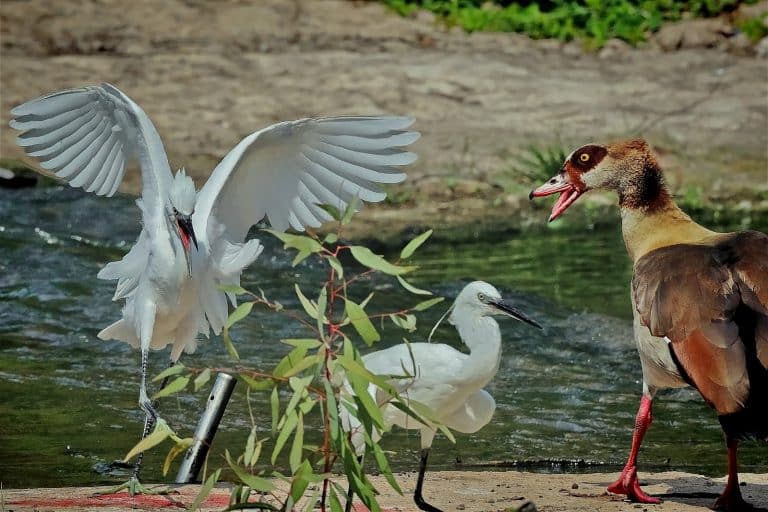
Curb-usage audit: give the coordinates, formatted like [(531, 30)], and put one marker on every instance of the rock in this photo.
[(573, 49), (468, 187), (528, 507), (761, 48), (10, 179), (424, 16), (614, 48), (748, 11), (739, 44), (696, 33)]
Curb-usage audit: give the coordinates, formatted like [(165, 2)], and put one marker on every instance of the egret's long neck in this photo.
[(483, 337)]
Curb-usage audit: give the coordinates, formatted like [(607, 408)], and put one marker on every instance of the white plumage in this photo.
[(449, 382), (191, 242)]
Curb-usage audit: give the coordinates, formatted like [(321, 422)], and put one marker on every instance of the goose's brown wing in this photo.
[(690, 293), (751, 274)]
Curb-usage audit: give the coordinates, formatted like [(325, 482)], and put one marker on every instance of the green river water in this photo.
[(566, 396)]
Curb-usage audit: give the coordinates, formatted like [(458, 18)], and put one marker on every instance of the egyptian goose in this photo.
[(700, 300)]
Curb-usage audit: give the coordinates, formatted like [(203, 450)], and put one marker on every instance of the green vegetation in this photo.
[(594, 21), (538, 163), (755, 29), (309, 387)]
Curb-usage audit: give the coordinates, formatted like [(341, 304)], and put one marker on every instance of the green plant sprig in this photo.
[(321, 375)]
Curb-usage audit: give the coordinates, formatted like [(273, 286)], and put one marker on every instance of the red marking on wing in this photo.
[(718, 370)]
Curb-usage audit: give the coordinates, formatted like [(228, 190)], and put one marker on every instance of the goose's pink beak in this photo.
[(561, 183)]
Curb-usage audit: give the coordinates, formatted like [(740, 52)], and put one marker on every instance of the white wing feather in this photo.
[(286, 170), (88, 135)]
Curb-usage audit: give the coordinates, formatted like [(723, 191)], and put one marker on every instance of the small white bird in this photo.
[(447, 381), (193, 243)]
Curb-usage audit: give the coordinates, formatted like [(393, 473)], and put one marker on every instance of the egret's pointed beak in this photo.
[(569, 193), (186, 230), (187, 235), (509, 309)]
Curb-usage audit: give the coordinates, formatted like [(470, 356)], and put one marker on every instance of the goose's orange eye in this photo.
[(584, 157)]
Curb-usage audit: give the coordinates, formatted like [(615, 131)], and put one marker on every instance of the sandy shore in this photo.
[(450, 490)]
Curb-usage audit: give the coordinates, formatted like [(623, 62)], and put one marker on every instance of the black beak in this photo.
[(509, 309), (185, 224)]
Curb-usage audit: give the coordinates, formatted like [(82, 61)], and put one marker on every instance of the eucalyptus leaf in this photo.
[(256, 453), (289, 360), (256, 483), (168, 372), (233, 288), (352, 207), (256, 385), (274, 405), (307, 405), (291, 420), (238, 314), (307, 343), (231, 350), (335, 503), (250, 446), (414, 244), (205, 490), (367, 258), (202, 379), (383, 463), (332, 210), (175, 386), (408, 286), (302, 243), (310, 308), (335, 264), (421, 306), (361, 322), (175, 451), (161, 433), (333, 410), (366, 404), (302, 365), (294, 456), (322, 304), (366, 300)]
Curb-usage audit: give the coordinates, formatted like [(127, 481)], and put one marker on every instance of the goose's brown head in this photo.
[(626, 167)]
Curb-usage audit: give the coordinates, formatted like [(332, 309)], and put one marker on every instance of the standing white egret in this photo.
[(193, 243), (447, 381)]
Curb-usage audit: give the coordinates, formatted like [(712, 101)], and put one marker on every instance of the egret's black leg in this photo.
[(350, 493), (149, 424), (133, 486), (423, 505)]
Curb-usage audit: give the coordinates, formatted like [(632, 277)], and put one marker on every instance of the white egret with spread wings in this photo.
[(192, 243)]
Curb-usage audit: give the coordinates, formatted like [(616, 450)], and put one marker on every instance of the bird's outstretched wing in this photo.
[(691, 293), (86, 136), (286, 170)]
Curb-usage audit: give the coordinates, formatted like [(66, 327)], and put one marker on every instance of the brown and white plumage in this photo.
[(700, 298), (700, 307)]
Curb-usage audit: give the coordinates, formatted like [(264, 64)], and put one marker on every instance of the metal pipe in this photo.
[(206, 428)]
